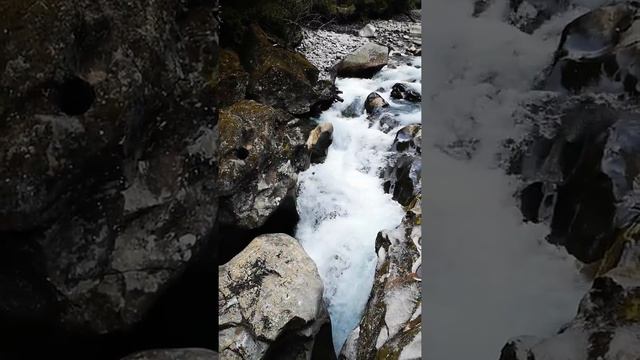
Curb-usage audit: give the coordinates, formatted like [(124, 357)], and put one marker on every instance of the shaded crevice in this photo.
[(234, 239), (75, 96), (184, 315), (531, 198)]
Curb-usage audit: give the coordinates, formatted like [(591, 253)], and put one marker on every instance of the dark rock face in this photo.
[(402, 177), (599, 45), (578, 169), (350, 9), (108, 148), (232, 80), (282, 78), (283, 18), (404, 92)]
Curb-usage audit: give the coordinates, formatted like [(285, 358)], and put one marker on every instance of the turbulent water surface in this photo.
[(488, 276), (341, 202)]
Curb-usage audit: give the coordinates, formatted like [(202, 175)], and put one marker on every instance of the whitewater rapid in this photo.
[(341, 202), (487, 275)]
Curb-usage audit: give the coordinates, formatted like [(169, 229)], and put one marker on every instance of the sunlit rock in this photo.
[(364, 62), (270, 301), (319, 141)]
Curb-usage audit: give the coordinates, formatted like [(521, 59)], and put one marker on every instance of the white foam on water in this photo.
[(488, 276), (341, 202)]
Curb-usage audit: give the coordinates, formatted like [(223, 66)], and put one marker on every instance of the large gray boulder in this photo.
[(270, 293), (364, 62)]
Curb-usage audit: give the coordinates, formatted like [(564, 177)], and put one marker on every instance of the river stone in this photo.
[(402, 177), (391, 323), (108, 149), (404, 92), (364, 62), (260, 151), (174, 354), (270, 292), (367, 31), (319, 141), (374, 103)]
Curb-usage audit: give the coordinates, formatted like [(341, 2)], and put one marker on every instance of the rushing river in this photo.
[(341, 202), (487, 275)]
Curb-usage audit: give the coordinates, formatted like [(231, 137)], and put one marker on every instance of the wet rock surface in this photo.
[(403, 175), (269, 294), (319, 141), (374, 103), (404, 92), (567, 182), (391, 324), (578, 166)]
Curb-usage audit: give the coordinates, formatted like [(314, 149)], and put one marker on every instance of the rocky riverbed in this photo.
[(150, 150), (364, 167)]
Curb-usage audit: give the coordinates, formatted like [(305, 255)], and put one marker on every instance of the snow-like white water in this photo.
[(487, 276), (341, 202)]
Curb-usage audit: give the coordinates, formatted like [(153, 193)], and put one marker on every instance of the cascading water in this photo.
[(488, 276), (341, 202)]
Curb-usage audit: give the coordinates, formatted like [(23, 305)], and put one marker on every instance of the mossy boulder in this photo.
[(319, 141), (279, 77), (232, 80), (261, 150)]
